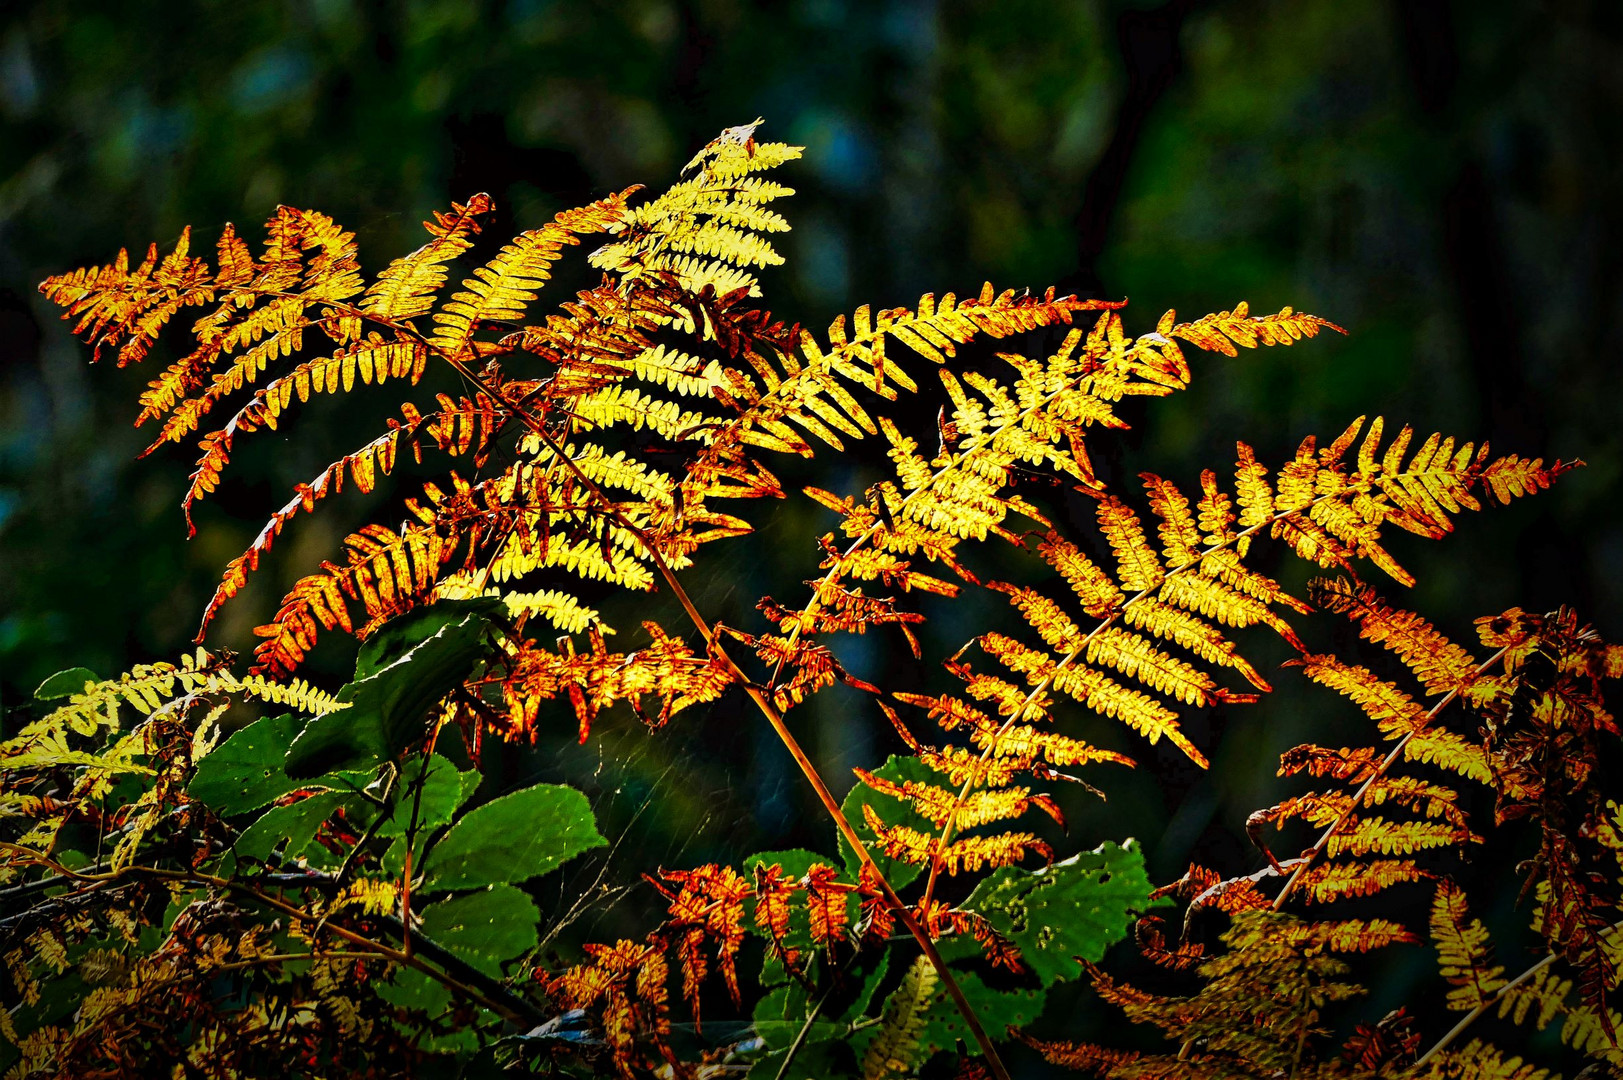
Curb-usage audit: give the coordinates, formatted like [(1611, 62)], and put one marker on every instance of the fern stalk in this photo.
[(1494, 999)]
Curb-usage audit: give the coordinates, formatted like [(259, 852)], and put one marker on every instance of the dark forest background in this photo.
[(1440, 178)]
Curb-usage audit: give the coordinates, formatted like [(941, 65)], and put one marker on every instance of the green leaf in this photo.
[(943, 1026), (781, 1014), (66, 683), (402, 672), (513, 838), (485, 928), (296, 822), (444, 791), (870, 984), (1075, 908), (892, 811), (245, 772)]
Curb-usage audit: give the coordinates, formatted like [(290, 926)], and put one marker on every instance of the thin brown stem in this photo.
[(1494, 999)]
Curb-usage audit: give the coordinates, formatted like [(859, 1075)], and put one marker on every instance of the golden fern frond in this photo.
[(1543, 997), (970, 853), (1376, 835), (982, 808), (566, 613), (1223, 330), (1481, 1061), (891, 1053), (1393, 710), (1329, 882), (705, 228), (375, 360), (668, 669), (1462, 950), (407, 287), (386, 572), (144, 688), (459, 426), (500, 290)]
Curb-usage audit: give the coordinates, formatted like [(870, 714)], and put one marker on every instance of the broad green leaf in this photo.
[(402, 672), (295, 822), (245, 772), (781, 1014), (944, 1027), (486, 928), (892, 811), (66, 684), (870, 984), (1075, 908), (513, 838), (444, 791)]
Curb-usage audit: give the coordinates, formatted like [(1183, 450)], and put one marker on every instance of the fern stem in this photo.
[(800, 1036), (773, 717), (1307, 861)]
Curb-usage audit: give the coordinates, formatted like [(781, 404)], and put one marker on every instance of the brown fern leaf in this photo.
[(464, 426), (386, 572), (592, 681), (1436, 661)]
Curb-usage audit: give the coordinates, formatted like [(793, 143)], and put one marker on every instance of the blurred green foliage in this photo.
[(1441, 179)]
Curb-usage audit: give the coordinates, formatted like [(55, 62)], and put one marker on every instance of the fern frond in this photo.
[(386, 572), (1329, 882), (1435, 660), (1221, 331), (1463, 950), (406, 288), (500, 290), (970, 853), (1481, 1061), (892, 1052)]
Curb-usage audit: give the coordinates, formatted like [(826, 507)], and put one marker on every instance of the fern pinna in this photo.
[(600, 447)]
